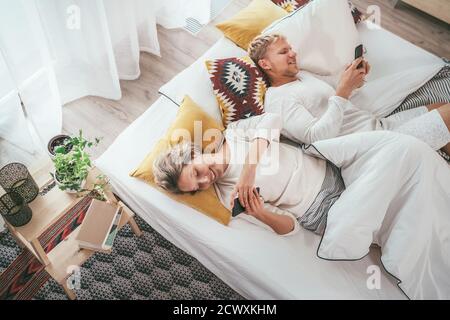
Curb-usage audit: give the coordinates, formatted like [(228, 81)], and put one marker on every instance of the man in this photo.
[(312, 110), (297, 187)]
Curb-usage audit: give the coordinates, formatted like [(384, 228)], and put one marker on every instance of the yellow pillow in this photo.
[(250, 21), (206, 201)]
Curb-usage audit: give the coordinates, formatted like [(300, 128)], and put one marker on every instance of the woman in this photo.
[(296, 186)]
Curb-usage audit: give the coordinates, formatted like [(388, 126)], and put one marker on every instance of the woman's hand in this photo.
[(352, 78), (255, 205), (246, 182), (244, 187), (280, 223)]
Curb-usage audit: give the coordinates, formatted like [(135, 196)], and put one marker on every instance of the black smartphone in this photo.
[(359, 50), (237, 207)]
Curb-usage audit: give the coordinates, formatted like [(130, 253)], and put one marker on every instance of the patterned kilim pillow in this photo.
[(239, 87), (291, 5)]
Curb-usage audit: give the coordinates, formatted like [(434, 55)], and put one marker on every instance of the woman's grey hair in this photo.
[(257, 49), (168, 166)]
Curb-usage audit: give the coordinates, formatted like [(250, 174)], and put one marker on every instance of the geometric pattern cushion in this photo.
[(291, 5), (239, 87)]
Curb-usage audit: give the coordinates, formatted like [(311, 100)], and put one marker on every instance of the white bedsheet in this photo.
[(251, 260)]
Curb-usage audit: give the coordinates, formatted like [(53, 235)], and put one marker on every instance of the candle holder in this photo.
[(16, 177), (14, 209)]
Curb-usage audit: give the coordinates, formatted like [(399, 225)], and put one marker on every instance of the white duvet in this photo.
[(397, 196)]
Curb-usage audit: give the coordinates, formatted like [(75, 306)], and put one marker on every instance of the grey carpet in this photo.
[(145, 268)]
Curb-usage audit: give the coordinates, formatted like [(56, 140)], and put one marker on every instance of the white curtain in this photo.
[(12, 118), (56, 51)]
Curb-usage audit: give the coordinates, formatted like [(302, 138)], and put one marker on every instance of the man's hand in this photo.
[(244, 187), (366, 67), (352, 78)]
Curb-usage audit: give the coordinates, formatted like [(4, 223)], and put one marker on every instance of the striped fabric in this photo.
[(437, 90), (333, 185), (434, 91)]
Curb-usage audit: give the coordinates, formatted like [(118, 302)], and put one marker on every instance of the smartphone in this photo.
[(358, 53), (237, 207)]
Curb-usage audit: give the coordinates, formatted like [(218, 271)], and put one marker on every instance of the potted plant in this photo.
[(72, 165), (61, 143)]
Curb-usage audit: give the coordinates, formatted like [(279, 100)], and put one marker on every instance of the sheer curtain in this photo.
[(56, 51)]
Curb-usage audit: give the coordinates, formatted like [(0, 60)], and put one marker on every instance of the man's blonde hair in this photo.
[(257, 49), (168, 166)]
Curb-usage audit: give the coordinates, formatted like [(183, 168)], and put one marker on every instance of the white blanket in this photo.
[(397, 196)]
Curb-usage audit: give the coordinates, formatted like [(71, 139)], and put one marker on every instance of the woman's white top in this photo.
[(288, 179)]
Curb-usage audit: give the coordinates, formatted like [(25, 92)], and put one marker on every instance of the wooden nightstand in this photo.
[(49, 213)]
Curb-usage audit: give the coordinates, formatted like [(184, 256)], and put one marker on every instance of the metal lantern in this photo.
[(16, 177), (14, 209)]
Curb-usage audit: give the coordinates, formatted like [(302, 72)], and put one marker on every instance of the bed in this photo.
[(256, 263)]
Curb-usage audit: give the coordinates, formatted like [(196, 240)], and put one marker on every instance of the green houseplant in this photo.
[(72, 165)]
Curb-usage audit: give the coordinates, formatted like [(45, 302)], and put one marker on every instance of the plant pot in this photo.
[(68, 190), (55, 142)]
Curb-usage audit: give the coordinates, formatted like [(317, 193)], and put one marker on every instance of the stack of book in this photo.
[(100, 226)]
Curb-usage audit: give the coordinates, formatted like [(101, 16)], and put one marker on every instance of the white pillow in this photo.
[(195, 82), (322, 33)]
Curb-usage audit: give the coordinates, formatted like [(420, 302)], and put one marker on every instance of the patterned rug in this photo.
[(26, 275), (193, 26), (23, 277), (145, 268)]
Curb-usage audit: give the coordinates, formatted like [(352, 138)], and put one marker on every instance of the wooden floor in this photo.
[(105, 118)]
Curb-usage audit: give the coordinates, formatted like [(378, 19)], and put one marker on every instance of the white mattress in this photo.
[(253, 261)]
